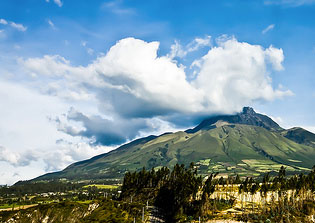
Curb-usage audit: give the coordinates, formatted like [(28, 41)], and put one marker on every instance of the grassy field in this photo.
[(5, 206), (101, 186)]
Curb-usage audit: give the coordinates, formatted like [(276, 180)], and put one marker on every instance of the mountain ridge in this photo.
[(247, 116), (247, 143)]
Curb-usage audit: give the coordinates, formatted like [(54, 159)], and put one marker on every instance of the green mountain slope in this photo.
[(251, 147), (300, 135)]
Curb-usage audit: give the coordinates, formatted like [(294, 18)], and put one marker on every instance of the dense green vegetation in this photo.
[(181, 195)]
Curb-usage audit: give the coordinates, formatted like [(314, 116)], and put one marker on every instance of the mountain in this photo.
[(247, 143), (247, 117)]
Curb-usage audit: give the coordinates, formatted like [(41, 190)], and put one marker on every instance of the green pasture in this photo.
[(101, 186)]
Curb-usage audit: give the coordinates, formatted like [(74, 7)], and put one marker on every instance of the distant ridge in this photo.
[(300, 135)]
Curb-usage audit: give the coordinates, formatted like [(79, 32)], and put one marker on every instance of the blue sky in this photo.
[(78, 78)]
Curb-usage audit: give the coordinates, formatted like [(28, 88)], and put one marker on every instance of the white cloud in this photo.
[(23, 115), (232, 75), (28, 138), (236, 73), (90, 51), (177, 50), (52, 25), (10, 174), (17, 159), (268, 28), (3, 22), (117, 131), (275, 57), (63, 154), (115, 7), (18, 26), (57, 2), (6, 155), (83, 43), (132, 70), (290, 3), (277, 119), (17, 46), (67, 153), (198, 43)]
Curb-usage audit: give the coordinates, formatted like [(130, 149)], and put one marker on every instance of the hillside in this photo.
[(300, 135), (248, 144), (74, 212)]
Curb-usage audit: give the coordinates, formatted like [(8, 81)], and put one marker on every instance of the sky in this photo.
[(80, 78)]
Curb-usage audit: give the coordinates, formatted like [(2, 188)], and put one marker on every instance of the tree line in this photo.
[(181, 194)]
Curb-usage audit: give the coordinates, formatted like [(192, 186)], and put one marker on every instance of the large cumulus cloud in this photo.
[(131, 85), (101, 130), (234, 74), (15, 158)]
